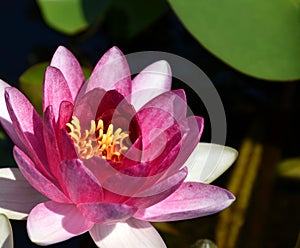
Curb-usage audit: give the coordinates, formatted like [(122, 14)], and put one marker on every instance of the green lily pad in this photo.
[(258, 38), (72, 16)]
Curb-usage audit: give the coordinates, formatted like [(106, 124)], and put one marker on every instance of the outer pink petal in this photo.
[(55, 90), (151, 82), (17, 197), (132, 233), (105, 212), (53, 222), (79, 182), (66, 62), (36, 179), (111, 72), (29, 127), (5, 119), (191, 200), (157, 192)]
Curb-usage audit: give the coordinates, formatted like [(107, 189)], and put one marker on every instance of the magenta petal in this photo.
[(5, 119), (52, 150), (79, 182), (191, 200), (105, 212), (132, 233), (37, 179), (65, 114), (86, 107), (159, 191), (55, 90), (29, 127), (52, 222), (66, 62), (111, 72)]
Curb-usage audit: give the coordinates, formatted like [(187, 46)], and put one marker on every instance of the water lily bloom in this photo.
[(6, 236), (107, 156)]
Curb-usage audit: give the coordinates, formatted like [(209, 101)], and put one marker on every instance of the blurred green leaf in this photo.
[(31, 84), (135, 16), (2, 135), (72, 16), (258, 38), (289, 168)]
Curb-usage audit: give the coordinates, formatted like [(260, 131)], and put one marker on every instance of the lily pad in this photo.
[(72, 16), (258, 38)]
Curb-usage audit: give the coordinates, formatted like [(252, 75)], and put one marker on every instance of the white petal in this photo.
[(52, 222), (17, 196), (133, 233), (151, 82), (208, 161), (6, 236)]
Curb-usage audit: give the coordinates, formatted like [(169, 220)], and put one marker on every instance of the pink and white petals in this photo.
[(53, 222), (190, 200), (105, 212), (6, 235), (132, 233), (17, 196), (66, 62), (106, 76), (38, 180), (151, 82), (208, 161)]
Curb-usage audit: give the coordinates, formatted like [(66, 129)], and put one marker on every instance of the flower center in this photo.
[(95, 142)]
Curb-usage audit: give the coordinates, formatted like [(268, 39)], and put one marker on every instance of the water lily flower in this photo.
[(107, 156), (6, 236)]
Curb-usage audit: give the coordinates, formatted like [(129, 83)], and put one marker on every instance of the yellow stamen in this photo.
[(95, 142)]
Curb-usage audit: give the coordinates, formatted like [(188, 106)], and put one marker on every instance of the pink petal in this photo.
[(132, 233), (65, 114), (66, 62), (29, 127), (37, 179), (191, 200), (111, 72), (16, 194), (79, 182), (55, 90), (5, 119), (157, 192), (52, 150), (151, 82), (53, 222), (191, 130), (86, 107), (105, 212)]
